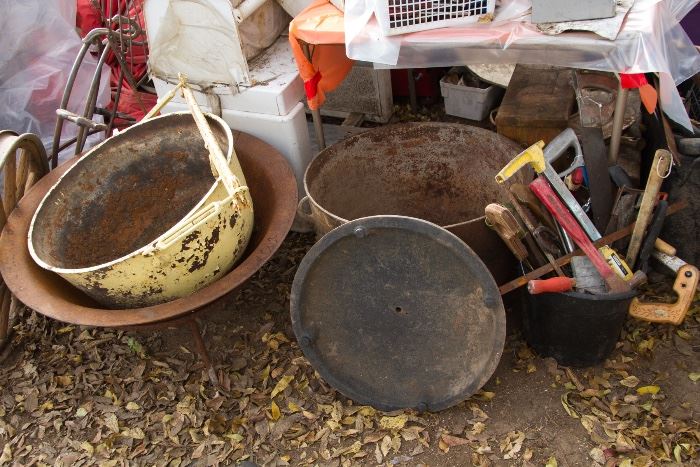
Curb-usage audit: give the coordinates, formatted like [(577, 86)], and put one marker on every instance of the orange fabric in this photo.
[(647, 92), (321, 26), (649, 97)]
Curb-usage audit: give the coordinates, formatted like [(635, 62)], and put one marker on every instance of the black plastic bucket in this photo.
[(576, 329)]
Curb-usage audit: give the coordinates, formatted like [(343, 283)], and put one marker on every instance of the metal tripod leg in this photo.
[(315, 113), (202, 350)]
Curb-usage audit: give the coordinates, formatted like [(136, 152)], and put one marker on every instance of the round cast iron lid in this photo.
[(396, 312)]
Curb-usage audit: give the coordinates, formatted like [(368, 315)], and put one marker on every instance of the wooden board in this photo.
[(537, 104)]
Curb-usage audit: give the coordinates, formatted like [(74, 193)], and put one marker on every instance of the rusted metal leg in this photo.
[(618, 121), (5, 301), (412, 96), (315, 113), (202, 350)]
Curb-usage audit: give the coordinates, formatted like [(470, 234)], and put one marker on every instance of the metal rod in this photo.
[(88, 110), (5, 303), (315, 113), (87, 40), (202, 350), (618, 120), (58, 129), (117, 96), (127, 74), (412, 97)]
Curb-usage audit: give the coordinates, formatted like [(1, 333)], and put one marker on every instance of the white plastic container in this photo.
[(402, 16), (469, 102)]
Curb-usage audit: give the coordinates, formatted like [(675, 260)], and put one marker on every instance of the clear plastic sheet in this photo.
[(37, 50), (651, 40)]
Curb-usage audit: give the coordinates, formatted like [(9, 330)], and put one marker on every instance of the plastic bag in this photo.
[(38, 47)]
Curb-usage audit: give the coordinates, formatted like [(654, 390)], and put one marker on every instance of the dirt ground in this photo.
[(77, 396)]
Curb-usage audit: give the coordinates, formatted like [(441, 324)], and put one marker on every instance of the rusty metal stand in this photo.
[(315, 113), (412, 96), (195, 330), (618, 120), (202, 350)]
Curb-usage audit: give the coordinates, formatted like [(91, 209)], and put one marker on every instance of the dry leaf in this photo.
[(630, 381), (647, 345), (478, 428), (6, 456), (452, 441), (135, 433), (567, 407), (275, 410), (386, 445), (132, 406), (378, 454), (648, 390), (512, 444), (111, 422), (551, 462), (64, 380), (597, 455), (393, 423), (694, 376), (281, 385)]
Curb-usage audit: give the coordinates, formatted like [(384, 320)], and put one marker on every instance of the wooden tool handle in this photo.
[(551, 285), (546, 194), (660, 167), (566, 259), (523, 194), (664, 247), (500, 219)]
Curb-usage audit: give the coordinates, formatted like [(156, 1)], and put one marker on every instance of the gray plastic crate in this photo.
[(469, 102)]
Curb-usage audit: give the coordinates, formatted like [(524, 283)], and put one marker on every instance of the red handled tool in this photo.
[(551, 285), (546, 194)]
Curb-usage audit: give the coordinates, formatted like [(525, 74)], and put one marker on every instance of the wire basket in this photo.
[(402, 16)]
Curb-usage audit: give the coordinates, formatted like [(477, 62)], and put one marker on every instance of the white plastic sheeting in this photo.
[(651, 40), (201, 39), (198, 38), (38, 46)]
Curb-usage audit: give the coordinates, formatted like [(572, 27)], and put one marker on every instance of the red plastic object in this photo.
[(427, 82), (551, 285), (541, 188)]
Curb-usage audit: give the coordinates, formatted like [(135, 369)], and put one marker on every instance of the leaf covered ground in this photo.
[(79, 396)]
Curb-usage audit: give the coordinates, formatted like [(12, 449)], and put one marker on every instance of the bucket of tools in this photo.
[(576, 329)]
